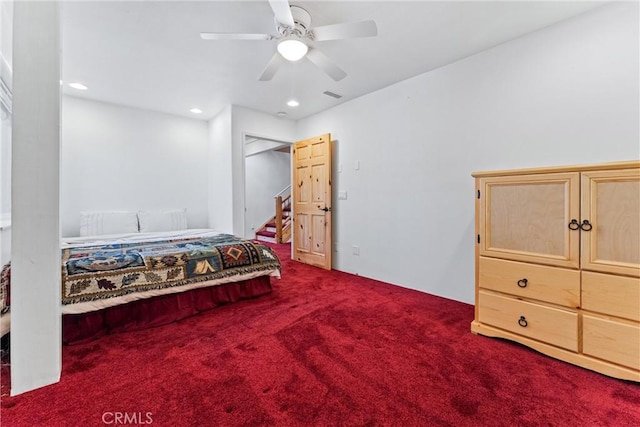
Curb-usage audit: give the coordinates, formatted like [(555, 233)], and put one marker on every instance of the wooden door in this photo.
[(527, 217), (611, 207), (311, 190)]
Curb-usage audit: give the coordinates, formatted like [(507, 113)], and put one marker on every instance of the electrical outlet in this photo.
[(355, 250)]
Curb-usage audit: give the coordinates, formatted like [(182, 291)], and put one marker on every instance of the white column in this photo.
[(220, 172), (35, 274)]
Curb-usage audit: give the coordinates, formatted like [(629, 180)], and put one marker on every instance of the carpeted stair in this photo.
[(268, 232)]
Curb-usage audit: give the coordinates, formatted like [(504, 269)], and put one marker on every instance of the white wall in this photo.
[(5, 168), (121, 158), (5, 188), (6, 38), (6, 29), (220, 181), (567, 94), (266, 174), (35, 269)]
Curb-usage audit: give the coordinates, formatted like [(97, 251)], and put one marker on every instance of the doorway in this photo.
[(267, 171)]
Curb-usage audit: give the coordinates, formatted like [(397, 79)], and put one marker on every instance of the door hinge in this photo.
[(478, 238), (478, 194)]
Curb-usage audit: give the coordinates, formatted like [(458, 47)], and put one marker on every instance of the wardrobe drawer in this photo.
[(611, 340), (614, 295), (551, 284), (550, 325)]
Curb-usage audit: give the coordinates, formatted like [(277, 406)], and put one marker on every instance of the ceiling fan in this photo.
[(296, 38)]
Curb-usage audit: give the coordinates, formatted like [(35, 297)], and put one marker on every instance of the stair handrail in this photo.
[(280, 202), (284, 190)]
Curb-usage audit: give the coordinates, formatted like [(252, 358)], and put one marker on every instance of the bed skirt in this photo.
[(157, 311)]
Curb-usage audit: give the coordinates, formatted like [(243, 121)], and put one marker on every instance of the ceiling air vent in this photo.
[(334, 95)]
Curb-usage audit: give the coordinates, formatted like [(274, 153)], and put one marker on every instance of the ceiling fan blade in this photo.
[(323, 62), (349, 30), (282, 12), (234, 36), (271, 68)]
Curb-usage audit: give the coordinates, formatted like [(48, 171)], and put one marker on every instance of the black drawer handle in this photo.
[(523, 322), (523, 283), (574, 225)]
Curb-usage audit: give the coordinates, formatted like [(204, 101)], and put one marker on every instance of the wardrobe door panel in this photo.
[(611, 208), (527, 218)]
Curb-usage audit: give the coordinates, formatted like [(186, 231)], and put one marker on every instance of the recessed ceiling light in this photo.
[(78, 86), (196, 111), (293, 103), (282, 113)]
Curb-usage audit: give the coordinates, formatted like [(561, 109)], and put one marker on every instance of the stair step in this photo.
[(266, 239), (266, 233), (266, 236), (273, 224)]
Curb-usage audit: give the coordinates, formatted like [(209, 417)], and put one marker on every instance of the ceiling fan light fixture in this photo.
[(292, 49)]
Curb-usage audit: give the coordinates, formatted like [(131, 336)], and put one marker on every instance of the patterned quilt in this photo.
[(91, 273), (5, 276)]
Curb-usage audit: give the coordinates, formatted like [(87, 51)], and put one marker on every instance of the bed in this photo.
[(132, 281)]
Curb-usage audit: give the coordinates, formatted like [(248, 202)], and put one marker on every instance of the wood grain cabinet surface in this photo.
[(558, 262)]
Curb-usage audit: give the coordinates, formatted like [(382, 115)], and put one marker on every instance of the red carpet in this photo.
[(324, 349)]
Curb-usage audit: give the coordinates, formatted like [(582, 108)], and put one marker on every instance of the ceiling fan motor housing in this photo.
[(302, 23)]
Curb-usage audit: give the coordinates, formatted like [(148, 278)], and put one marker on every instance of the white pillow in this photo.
[(97, 223), (169, 220)]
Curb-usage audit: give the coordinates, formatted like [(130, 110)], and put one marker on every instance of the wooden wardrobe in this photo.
[(558, 263)]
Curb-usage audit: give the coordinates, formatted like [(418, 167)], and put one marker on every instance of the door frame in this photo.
[(245, 136)]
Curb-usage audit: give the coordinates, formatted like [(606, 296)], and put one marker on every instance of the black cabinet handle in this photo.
[(522, 283), (586, 225), (574, 225), (523, 322)]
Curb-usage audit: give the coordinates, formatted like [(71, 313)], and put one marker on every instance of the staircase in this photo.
[(278, 228)]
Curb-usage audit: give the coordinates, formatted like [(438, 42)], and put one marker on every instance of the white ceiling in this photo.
[(149, 54)]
